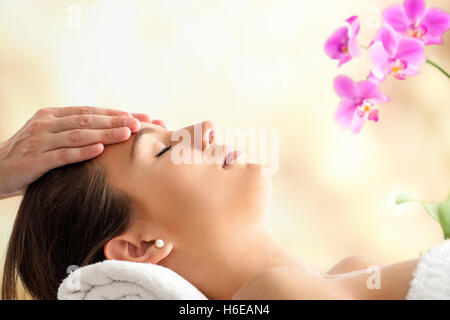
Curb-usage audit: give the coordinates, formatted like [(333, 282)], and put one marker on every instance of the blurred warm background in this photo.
[(248, 64)]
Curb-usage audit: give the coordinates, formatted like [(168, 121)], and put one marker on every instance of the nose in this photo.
[(201, 134), (207, 134)]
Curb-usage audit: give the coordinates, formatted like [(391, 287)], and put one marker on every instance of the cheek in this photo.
[(204, 192), (198, 189), (184, 195), (192, 200)]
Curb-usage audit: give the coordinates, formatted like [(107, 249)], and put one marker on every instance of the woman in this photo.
[(208, 216), (54, 137)]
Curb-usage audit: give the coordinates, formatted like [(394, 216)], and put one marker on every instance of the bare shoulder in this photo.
[(352, 263), (288, 283)]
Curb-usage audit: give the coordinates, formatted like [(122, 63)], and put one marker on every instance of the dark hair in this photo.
[(65, 218)]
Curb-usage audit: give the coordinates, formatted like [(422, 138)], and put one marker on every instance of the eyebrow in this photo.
[(138, 136)]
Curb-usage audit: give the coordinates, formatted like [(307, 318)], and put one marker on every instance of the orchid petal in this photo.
[(352, 19), (368, 89), (379, 58), (430, 40), (414, 9), (353, 47), (345, 87), (375, 79), (343, 59), (344, 113), (396, 18), (373, 115), (354, 26), (333, 42), (437, 22), (408, 72), (411, 51), (388, 37), (357, 123)]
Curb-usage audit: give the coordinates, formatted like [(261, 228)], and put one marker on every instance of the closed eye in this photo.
[(163, 151)]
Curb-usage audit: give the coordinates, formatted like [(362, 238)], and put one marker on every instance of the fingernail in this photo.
[(163, 124), (159, 123), (97, 148), (136, 127), (132, 123), (122, 132)]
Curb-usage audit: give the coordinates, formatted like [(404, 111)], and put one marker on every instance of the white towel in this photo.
[(431, 279), (120, 280), (125, 280)]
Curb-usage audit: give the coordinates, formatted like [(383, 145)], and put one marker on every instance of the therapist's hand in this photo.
[(54, 137)]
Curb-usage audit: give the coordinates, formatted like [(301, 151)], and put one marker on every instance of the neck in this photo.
[(221, 275)]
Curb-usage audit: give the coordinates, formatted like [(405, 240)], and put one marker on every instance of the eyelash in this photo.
[(163, 151)]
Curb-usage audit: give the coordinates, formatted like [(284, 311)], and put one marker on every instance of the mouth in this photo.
[(230, 157)]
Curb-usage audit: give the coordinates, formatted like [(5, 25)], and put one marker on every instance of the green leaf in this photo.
[(404, 197), (432, 209), (438, 211), (444, 217)]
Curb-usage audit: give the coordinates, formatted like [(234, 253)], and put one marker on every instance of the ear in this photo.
[(125, 247)]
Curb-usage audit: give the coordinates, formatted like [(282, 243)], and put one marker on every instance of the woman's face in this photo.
[(194, 201)]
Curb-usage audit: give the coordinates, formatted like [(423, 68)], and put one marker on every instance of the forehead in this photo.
[(148, 125), (117, 156)]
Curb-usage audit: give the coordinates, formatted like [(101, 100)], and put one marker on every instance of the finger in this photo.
[(84, 137), (142, 117), (159, 123), (88, 121), (61, 157), (70, 111)]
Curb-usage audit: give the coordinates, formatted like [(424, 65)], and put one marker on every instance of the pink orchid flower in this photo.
[(358, 103), (397, 55), (343, 45), (412, 19)]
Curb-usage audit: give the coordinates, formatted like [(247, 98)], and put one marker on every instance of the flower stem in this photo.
[(434, 64)]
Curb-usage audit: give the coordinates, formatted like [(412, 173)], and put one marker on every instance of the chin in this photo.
[(258, 191)]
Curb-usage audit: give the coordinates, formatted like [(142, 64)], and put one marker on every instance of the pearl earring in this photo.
[(159, 243)]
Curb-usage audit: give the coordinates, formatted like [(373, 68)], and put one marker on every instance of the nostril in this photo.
[(208, 138)]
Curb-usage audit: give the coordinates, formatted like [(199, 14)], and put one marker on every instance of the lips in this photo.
[(230, 157)]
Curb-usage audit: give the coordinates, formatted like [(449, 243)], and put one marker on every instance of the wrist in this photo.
[(4, 183), (2, 150)]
